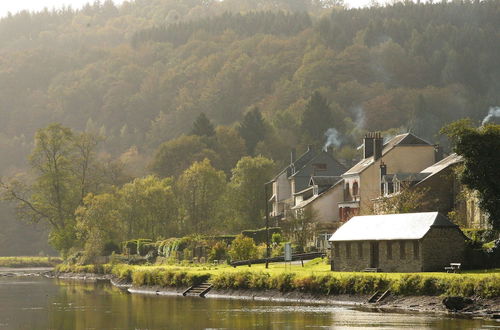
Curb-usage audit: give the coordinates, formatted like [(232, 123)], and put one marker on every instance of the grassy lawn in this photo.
[(20, 262)]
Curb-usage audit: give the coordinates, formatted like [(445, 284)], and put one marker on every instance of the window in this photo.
[(319, 166), (360, 250), (416, 250), (402, 250), (389, 250), (355, 189), (336, 248), (348, 250)]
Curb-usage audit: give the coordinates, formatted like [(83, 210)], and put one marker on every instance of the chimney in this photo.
[(383, 171), (378, 144), (293, 153), (368, 145), (438, 153)]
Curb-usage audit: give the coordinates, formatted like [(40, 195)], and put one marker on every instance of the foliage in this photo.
[(200, 190), (480, 170), (242, 248), (252, 129), (202, 126), (408, 200), (247, 189), (300, 226), (23, 262), (260, 235), (218, 252)]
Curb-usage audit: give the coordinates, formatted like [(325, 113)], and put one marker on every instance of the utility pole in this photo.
[(267, 224)]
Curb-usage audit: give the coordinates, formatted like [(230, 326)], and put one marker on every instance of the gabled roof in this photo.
[(407, 139), (404, 226), (324, 180), (312, 199), (441, 165), (298, 170), (408, 177), (305, 158)]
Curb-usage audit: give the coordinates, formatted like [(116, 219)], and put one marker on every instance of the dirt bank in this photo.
[(484, 308)]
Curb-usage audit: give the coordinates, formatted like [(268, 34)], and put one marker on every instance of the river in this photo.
[(40, 303)]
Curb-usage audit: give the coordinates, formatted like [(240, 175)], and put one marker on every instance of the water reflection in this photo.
[(50, 304)]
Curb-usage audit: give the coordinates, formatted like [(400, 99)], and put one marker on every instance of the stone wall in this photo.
[(408, 261), (440, 246)]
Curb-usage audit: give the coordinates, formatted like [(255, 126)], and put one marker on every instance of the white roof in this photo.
[(403, 226)]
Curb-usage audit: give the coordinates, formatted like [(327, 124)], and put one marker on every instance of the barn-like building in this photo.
[(410, 242)]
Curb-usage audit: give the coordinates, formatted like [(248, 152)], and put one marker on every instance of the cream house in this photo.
[(362, 184)]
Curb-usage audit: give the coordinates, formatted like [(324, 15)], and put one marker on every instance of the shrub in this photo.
[(260, 235), (218, 251), (243, 248)]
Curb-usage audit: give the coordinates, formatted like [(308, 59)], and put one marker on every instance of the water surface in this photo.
[(39, 303)]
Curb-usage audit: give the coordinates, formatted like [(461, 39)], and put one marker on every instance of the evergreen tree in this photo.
[(252, 129), (316, 119), (202, 126)]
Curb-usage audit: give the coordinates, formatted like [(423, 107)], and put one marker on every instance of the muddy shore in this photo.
[(478, 308)]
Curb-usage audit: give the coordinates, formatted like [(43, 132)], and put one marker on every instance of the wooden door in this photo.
[(374, 255)]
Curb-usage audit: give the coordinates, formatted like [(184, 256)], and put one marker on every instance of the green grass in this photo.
[(22, 262), (315, 277)]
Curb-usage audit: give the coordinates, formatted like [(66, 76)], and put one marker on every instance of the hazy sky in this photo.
[(15, 6)]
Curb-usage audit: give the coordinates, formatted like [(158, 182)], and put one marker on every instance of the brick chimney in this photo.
[(378, 144), (368, 145)]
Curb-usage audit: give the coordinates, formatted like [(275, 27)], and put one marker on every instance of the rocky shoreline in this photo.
[(471, 308)]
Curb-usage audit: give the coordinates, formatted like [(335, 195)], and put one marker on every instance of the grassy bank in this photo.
[(314, 278), (25, 262)]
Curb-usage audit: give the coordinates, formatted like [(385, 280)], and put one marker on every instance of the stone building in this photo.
[(411, 242)]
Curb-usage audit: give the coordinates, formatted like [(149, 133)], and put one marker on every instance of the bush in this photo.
[(243, 248), (260, 235), (218, 252)]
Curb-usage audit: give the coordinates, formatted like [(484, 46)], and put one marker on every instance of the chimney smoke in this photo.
[(332, 139), (494, 112)]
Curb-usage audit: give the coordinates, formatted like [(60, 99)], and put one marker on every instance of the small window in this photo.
[(360, 250), (319, 166), (336, 248), (389, 250), (416, 250), (348, 250), (402, 250), (355, 189)]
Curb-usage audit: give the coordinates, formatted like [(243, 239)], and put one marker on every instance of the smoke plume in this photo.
[(494, 112), (332, 139)]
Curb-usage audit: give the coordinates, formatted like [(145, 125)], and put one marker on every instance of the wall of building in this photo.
[(440, 246), (326, 205), (401, 159), (409, 261)]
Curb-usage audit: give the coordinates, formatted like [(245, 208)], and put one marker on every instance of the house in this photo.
[(404, 153), (443, 192), (295, 178), (322, 196), (410, 242)]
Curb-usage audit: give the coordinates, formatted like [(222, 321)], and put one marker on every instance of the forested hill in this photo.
[(139, 75)]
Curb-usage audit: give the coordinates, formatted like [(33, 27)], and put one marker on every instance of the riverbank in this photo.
[(29, 262), (476, 307)]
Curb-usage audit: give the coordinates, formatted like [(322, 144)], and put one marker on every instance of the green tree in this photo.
[(243, 248), (200, 190), (61, 163), (300, 225), (247, 189), (316, 119), (252, 129), (202, 126), (148, 209), (174, 156), (480, 149)]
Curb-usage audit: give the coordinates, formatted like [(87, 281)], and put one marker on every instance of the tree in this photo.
[(410, 199), (202, 126), (247, 189), (316, 119), (61, 167), (300, 225), (200, 190), (252, 129), (174, 156), (479, 146), (243, 248), (148, 209)]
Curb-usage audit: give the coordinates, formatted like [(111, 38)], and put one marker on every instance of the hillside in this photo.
[(141, 73)]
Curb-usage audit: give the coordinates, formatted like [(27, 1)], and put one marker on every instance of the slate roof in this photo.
[(324, 180), (399, 140), (441, 165), (312, 199), (404, 226)]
